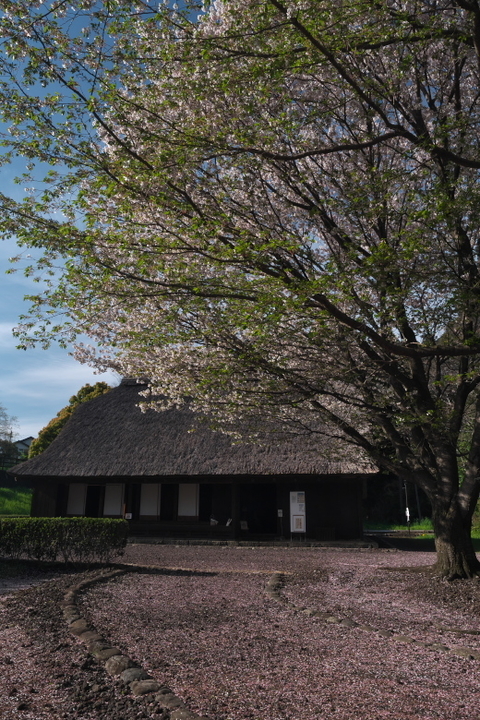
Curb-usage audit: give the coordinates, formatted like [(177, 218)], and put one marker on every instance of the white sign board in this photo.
[(297, 512)]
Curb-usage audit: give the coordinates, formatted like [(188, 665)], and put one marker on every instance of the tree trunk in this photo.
[(456, 556)]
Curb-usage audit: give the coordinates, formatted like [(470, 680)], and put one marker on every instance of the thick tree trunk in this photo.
[(456, 556)]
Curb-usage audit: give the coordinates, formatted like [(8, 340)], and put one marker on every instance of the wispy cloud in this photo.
[(40, 383), (6, 337), (34, 384)]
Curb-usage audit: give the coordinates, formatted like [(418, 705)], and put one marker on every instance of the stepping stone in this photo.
[(90, 636), (117, 664), (346, 622), (170, 701), (131, 674), (143, 687), (106, 653), (79, 626), (463, 652)]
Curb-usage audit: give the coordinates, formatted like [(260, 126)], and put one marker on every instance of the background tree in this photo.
[(9, 456), (7, 425), (273, 209), (8, 450), (48, 434)]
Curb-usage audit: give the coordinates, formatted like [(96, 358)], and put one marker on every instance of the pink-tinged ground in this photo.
[(208, 629)]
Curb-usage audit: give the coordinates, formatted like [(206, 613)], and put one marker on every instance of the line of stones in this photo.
[(274, 587), (116, 663)]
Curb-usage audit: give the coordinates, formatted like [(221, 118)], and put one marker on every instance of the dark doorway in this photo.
[(205, 503), (94, 501), (215, 502), (258, 506), (168, 502)]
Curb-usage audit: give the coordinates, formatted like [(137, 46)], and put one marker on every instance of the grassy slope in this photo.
[(15, 502)]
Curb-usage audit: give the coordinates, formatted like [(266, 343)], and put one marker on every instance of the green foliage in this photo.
[(476, 521), (424, 525), (48, 434), (68, 539), (15, 502)]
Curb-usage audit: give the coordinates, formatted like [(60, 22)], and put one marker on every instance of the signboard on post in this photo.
[(297, 512)]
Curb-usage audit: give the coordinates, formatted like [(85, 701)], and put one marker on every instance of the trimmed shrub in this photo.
[(67, 539)]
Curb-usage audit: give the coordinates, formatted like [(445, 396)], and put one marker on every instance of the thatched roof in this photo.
[(110, 436)]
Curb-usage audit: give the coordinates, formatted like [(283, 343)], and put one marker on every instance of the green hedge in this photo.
[(67, 539)]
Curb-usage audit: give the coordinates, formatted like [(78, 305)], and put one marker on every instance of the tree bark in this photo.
[(456, 556)]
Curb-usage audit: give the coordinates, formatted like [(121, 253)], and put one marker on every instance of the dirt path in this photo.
[(351, 636)]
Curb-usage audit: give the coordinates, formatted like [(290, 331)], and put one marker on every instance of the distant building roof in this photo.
[(25, 443)]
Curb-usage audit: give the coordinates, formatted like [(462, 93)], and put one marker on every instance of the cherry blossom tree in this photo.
[(270, 206)]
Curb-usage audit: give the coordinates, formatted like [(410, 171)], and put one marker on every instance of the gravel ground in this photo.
[(199, 620)]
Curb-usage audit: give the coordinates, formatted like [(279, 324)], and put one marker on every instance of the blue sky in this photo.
[(35, 384)]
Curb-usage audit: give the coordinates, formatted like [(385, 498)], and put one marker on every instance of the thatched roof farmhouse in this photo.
[(113, 460)]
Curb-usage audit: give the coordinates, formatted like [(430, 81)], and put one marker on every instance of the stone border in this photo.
[(117, 664), (277, 581), (363, 545)]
